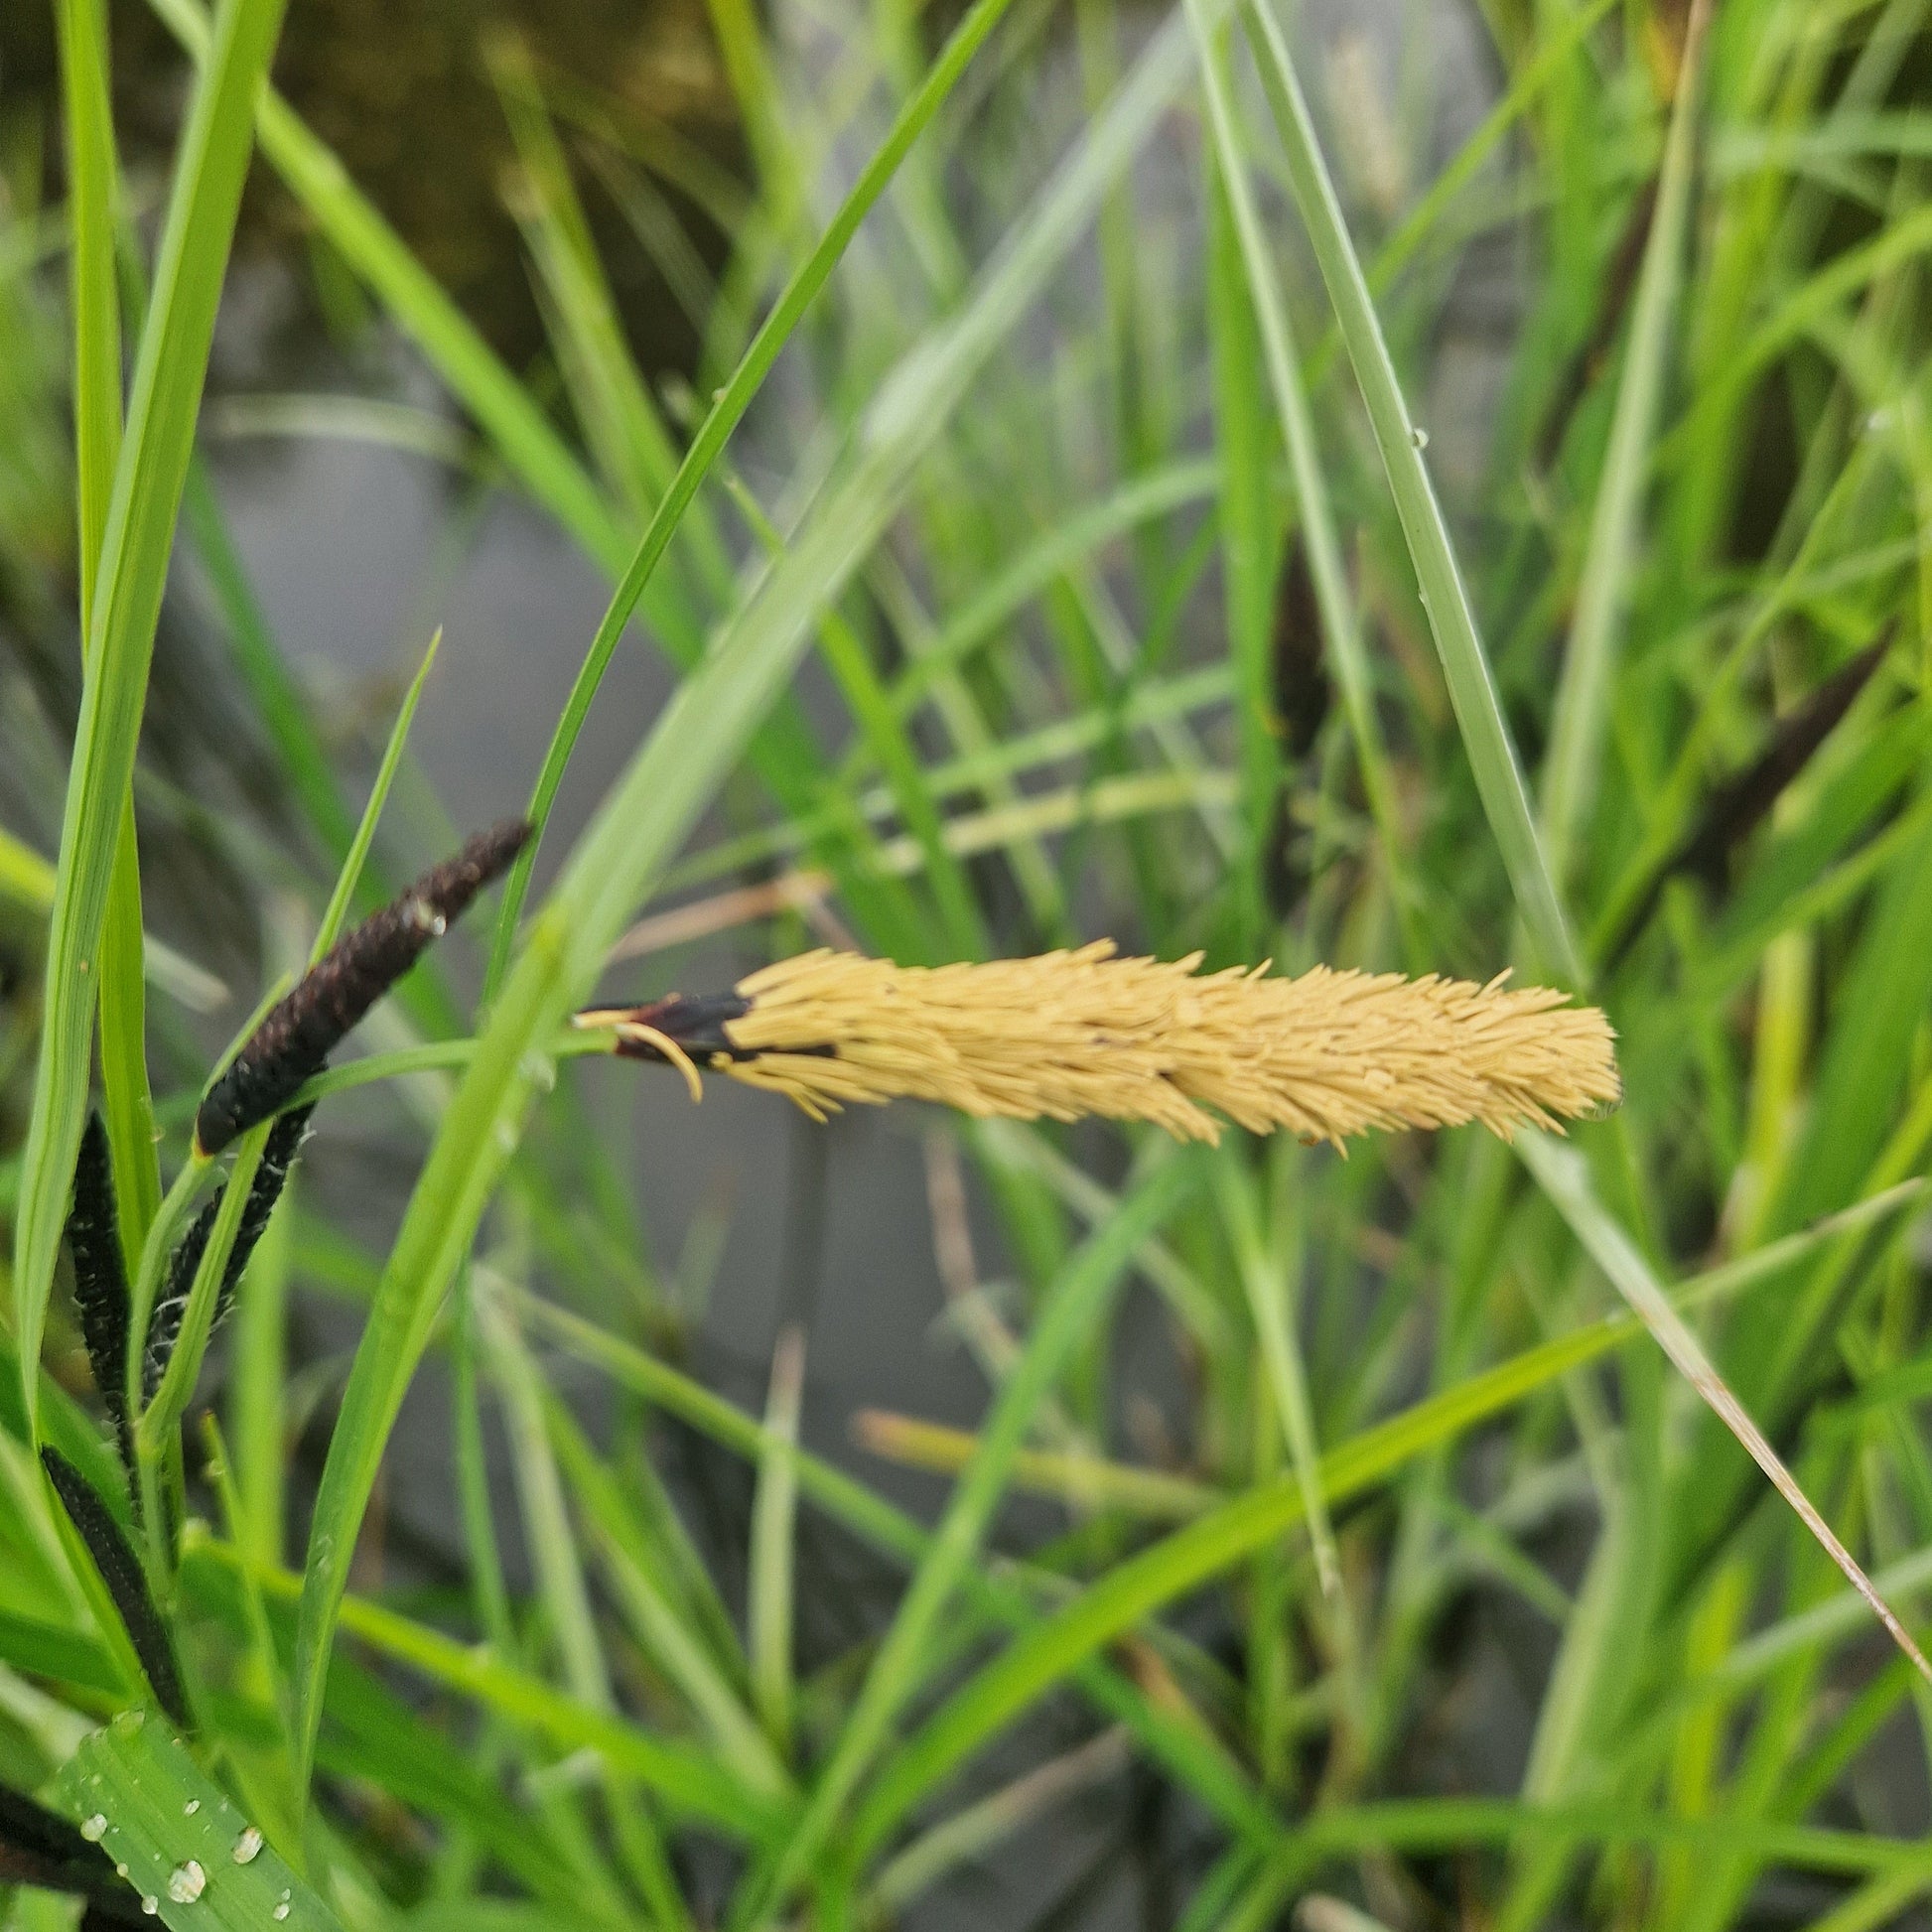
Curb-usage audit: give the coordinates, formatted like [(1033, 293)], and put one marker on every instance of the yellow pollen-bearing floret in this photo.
[(1326, 1055)]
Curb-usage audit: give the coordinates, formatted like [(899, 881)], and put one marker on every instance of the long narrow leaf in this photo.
[(139, 534), (1580, 719)]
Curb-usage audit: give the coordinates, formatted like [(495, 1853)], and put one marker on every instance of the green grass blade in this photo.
[(1341, 624), (619, 421), (1250, 543), (1071, 1306), (257, 1395), (193, 1860), (723, 415), (689, 1779), (350, 875), (659, 1622), (1581, 717), (1552, 50), (169, 373), (92, 199), (1561, 1173), (1451, 619), (184, 1369), (549, 1542), (775, 1513), (1269, 1307)]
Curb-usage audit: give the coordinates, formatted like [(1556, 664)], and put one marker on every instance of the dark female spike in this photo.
[(121, 1571), (284, 1141), (1736, 807), (39, 1848), (101, 1279), (296, 1039)]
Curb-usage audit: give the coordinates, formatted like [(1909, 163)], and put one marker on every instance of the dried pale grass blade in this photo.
[(1068, 1034), (1561, 1173)]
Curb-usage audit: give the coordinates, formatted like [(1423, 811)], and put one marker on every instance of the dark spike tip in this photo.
[(294, 1038), (695, 1024), (126, 1581), (449, 887)]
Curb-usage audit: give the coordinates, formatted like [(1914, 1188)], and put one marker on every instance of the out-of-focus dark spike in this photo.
[(296, 1039), (107, 1914), (100, 1280), (1301, 674), (1618, 285), (1736, 807), (41, 1849), (127, 1585), (284, 1142), (1301, 698), (1741, 803)]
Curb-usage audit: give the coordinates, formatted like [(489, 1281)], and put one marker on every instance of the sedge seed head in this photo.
[(1325, 1055)]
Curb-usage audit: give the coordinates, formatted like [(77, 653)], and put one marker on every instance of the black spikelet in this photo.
[(39, 1848), (100, 1280), (296, 1039), (284, 1141), (121, 1571)]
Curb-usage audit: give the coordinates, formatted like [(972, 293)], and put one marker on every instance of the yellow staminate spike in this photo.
[(1325, 1055)]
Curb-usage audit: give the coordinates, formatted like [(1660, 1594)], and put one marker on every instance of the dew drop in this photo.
[(247, 1845), (191, 1806), (94, 1829), (150, 1904), (120, 1870), (281, 1911), (1419, 436), (187, 1883)]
